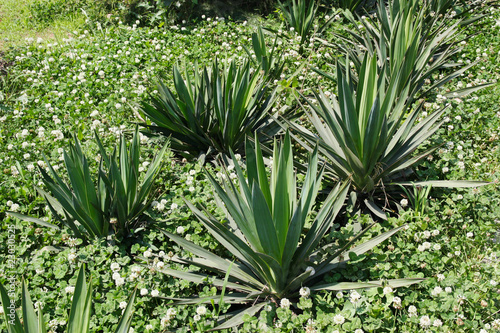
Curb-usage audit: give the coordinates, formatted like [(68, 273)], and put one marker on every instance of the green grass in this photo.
[(16, 24)]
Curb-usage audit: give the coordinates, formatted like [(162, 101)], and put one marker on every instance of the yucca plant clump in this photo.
[(410, 39), (213, 111), (299, 16), (79, 315), (113, 203), (369, 134), (274, 240)]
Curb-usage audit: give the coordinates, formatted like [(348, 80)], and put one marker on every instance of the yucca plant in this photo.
[(408, 40), (368, 133), (268, 59), (79, 316), (300, 15), (114, 203), (214, 111), (277, 246)]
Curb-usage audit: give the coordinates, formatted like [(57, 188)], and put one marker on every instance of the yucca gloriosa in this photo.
[(274, 253), (213, 111), (79, 316), (368, 133), (409, 39), (300, 15), (114, 203)]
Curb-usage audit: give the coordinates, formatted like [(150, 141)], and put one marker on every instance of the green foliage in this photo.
[(269, 60), (410, 40), (79, 315), (266, 220), (115, 203), (214, 111), (300, 15)]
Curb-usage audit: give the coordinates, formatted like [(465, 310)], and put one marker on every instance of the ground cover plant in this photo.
[(95, 80)]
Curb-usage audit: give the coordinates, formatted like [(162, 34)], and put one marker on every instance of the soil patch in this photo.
[(4, 63)]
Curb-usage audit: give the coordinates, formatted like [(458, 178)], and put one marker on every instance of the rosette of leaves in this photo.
[(213, 111), (300, 15), (268, 59), (370, 135), (79, 315), (275, 243), (410, 39), (116, 202)]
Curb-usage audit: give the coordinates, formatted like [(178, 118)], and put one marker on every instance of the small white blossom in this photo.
[(304, 292), (338, 319), (201, 310), (155, 293), (284, 303), (425, 321)]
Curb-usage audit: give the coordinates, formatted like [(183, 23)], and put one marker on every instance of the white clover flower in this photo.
[(435, 232), (149, 327), (448, 289), (171, 312), (436, 247), (470, 235), (69, 290), (174, 206), (387, 290), (160, 264), (338, 319), (339, 295), (123, 305), (284, 303), (425, 321), (268, 308), (493, 283), (180, 230), (144, 292), (404, 203), (196, 317), (396, 302), (445, 169), (201, 310), (119, 282), (437, 323), (436, 291), (116, 275), (15, 207), (412, 311), (72, 257), (358, 330), (354, 296), (426, 234), (440, 277), (305, 292), (310, 269), (115, 267), (147, 254), (155, 293)]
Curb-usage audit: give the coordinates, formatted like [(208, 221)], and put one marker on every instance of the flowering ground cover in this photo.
[(94, 81)]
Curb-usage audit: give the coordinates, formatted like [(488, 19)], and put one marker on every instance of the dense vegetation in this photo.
[(348, 179)]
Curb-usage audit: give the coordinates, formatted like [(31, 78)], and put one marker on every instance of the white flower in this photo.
[(412, 310), (15, 207), (440, 277), (69, 289), (358, 330), (310, 269), (201, 310), (304, 292), (120, 281), (174, 206), (437, 323), (404, 203), (396, 302), (72, 257), (149, 327), (354, 296), (115, 267), (338, 319), (197, 317), (387, 290), (436, 247), (425, 321), (437, 290), (339, 295), (144, 292), (470, 235), (445, 169), (180, 230), (147, 254), (155, 293), (123, 305), (285, 303), (493, 283), (426, 234), (435, 232), (160, 264), (448, 289)]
